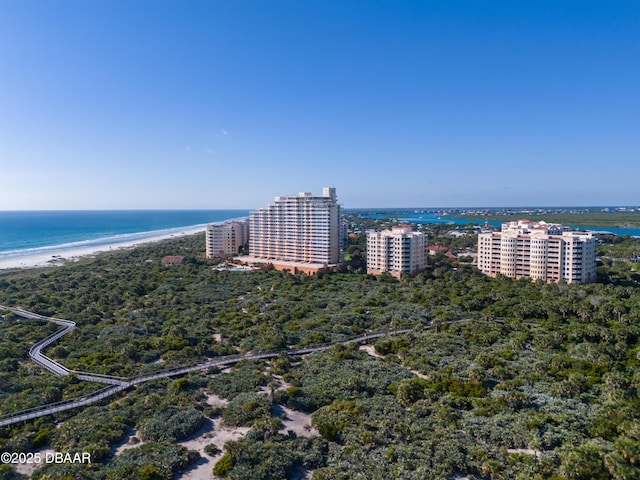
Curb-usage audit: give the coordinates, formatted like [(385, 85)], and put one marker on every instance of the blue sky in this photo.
[(226, 104)]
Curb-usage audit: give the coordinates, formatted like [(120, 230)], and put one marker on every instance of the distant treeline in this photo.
[(592, 219)]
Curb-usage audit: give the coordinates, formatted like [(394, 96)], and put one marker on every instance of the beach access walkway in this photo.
[(119, 384)]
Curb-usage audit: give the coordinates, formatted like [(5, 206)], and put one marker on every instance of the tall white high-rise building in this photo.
[(539, 251), (226, 238), (301, 229), (398, 251)]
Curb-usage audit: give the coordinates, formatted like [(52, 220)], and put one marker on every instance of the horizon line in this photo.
[(467, 207)]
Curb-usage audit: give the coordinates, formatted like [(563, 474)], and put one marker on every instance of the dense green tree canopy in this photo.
[(535, 380)]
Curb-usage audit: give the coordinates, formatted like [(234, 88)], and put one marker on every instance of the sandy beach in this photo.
[(59, 257)]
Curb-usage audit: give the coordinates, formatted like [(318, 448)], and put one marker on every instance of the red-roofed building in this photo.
[(435, 249), (170, 260)]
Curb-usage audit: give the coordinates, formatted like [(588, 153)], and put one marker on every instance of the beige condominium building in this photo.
[(399, 251), (226, 238), (539, 251), (297, 232)]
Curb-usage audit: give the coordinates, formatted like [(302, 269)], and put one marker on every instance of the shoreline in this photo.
[(59, 257)]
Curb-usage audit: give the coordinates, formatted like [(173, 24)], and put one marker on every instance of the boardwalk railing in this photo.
[(118, 384), (51, 409)]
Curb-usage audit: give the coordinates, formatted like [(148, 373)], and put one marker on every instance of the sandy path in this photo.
[(370, 349), (297, 422), (215, 432), (526, 451), (212, 432), (126, 443), (28, 468)]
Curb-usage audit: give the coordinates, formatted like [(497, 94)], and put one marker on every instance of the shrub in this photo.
[(212, 449), (245, 408), (223, 466), (171, 424)]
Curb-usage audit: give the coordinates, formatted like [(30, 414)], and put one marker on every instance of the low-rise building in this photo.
[(399, 251), (436, 249), (171, 260)]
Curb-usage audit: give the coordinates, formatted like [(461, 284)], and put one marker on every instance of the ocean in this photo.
[(35, 232)]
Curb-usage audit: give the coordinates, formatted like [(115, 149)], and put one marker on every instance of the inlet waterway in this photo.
[(427, 217)]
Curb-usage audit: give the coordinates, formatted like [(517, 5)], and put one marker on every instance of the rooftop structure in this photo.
[(170, 260), (525, 227), (435, 249)]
